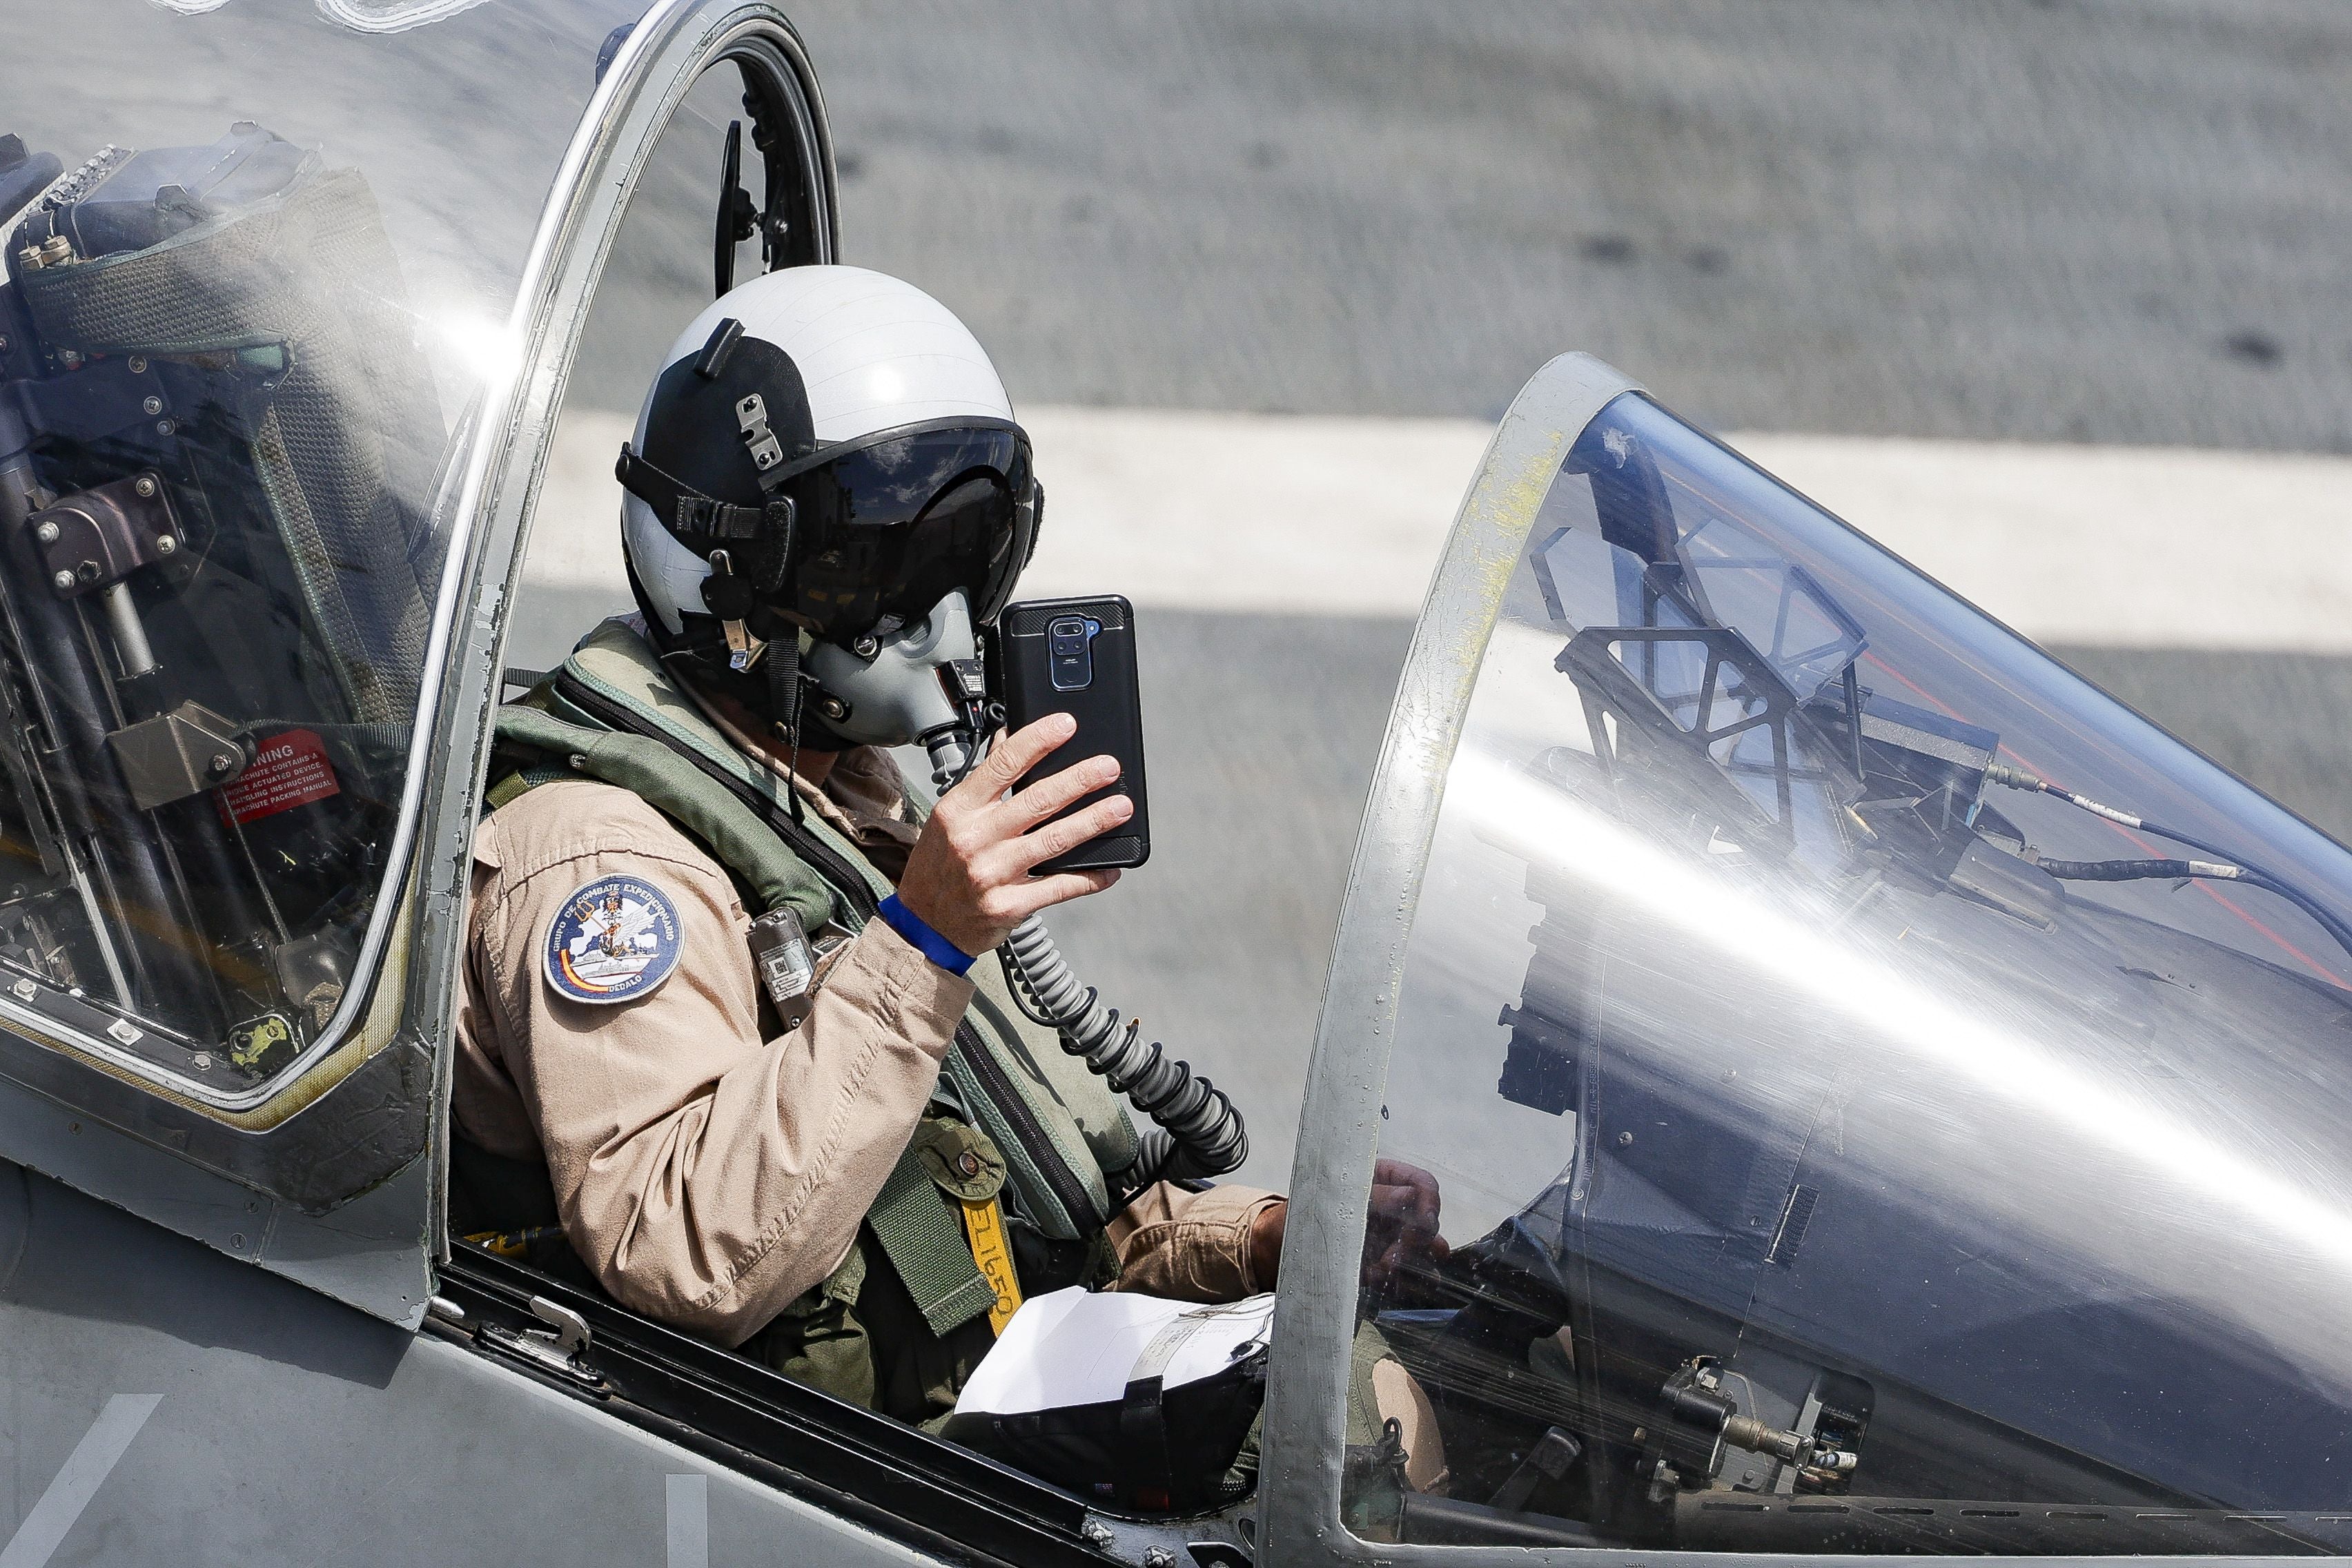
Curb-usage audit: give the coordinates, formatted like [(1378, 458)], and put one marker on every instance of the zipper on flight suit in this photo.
[(998, 1085), (846, 879)]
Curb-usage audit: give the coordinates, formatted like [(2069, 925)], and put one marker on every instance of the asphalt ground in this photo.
[(2072, 220)]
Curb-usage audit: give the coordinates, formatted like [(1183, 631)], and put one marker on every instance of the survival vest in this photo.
[(1038, 1127)]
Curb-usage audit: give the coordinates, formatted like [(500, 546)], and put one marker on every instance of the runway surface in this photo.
[(2078, 220)]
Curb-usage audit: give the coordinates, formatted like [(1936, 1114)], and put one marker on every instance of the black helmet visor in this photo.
[(891, 525)]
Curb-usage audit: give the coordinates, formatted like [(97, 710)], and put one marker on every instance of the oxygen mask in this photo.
[(917, 682)]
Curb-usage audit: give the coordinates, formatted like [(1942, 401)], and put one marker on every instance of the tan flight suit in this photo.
[(707, 1176)]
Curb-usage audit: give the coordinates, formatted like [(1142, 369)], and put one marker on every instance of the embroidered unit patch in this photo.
[(614, 940)]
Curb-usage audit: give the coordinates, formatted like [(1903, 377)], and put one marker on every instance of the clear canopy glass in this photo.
[(1885, 1095), (261, 260)]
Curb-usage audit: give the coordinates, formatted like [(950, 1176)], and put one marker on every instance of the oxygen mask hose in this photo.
[(952, 752), (1200, 1133)]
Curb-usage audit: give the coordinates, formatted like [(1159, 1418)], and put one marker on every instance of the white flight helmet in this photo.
[(828, 452)]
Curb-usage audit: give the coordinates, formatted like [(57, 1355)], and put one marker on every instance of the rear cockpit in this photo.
[(218, 603), (1856, 1052)]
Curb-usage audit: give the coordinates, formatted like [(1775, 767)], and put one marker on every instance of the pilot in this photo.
[(819, 1193)]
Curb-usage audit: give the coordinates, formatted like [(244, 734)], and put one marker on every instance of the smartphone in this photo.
[(1077, 657)]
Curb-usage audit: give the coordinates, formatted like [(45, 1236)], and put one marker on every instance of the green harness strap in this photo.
[(922, 1235), (654, 772)]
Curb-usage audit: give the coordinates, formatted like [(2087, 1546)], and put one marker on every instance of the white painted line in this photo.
[(2154, 547), (1253, 512), (1271, 513), (575, 530), (686, 1503), (78, 1479)]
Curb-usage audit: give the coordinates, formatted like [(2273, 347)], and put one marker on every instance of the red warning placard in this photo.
[(290, 770)]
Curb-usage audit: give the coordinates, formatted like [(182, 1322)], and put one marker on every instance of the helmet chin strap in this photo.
[(921, 683), (783, 665)]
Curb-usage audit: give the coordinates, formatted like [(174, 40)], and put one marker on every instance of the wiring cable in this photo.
[(2137, 870), (2223, 868)]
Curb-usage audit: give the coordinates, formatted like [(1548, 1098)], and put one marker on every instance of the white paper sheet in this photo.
[(1080, 1347)]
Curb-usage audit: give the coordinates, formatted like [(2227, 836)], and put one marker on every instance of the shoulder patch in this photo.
[(613, 939)]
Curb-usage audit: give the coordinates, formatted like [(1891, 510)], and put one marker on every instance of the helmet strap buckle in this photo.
[(730, 598), (744, 650), (784, 702)]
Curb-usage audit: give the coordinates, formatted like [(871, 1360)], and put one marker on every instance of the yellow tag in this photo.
[(513, 1243), (983, 1222), (506, 1244)]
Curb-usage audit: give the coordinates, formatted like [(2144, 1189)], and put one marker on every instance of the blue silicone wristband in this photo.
[(923, 938)]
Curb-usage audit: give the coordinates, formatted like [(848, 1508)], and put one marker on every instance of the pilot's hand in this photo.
[(1266, 1243), (968, 876), (1400, 1226)]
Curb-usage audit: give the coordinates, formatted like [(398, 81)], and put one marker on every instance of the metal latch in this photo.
[(562, 1352), (177, 754), (752, 417)]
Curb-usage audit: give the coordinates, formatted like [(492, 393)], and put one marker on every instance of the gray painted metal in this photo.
[(1338, 1131), (369, 1253), (287, 1428)]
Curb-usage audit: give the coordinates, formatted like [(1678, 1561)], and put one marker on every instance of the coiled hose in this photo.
[(1199, 1132)]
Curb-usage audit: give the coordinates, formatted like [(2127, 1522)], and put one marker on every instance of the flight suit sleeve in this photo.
[(705, 1175), (1187, 1245)]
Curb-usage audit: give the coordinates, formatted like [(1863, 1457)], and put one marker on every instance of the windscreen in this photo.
[(1882, 1094), (258, 260)]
